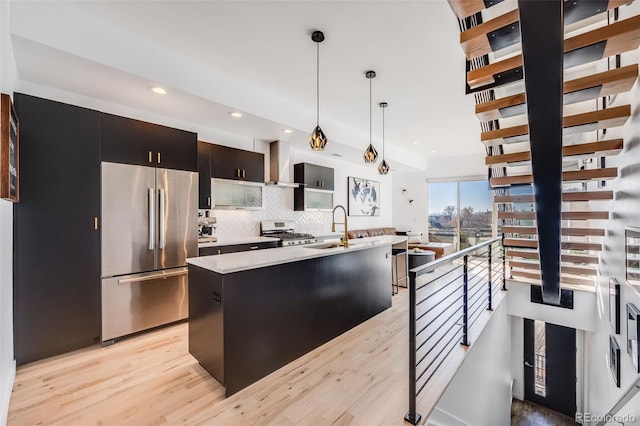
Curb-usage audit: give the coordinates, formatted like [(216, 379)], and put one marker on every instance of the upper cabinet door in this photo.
[(326, 178), (236, 164), (129, 141), (173, 148), (313, 176), (204, 175), (252, 166), (124, 140)]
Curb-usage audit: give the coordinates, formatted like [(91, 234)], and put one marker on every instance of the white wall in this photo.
[(410, 216), (8, 78), (581, 317), (480, 393), (601, 391)]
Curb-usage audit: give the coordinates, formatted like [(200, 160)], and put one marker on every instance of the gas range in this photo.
[(285, 230)]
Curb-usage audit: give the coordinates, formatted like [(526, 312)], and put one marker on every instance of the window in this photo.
[(460, 213)]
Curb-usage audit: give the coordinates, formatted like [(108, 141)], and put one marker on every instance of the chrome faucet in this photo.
[(344, 240)]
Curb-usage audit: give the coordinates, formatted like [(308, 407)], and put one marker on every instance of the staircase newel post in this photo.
[(412, 416)]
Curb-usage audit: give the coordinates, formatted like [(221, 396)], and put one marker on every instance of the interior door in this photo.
[(177, 239), (550, 366), (128, 206)]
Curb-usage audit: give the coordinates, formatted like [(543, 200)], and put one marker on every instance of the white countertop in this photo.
[(242, 261), (234, 241)]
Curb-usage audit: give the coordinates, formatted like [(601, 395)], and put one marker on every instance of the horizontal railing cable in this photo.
[(457, 297)]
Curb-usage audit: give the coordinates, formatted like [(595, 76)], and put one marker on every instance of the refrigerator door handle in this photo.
[(151, 217), (162, 225), (179, 272)]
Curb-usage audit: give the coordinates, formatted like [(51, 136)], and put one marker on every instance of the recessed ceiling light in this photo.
[(158, 90), (415, 142), (287, 131), (236, 114), (337, 155)]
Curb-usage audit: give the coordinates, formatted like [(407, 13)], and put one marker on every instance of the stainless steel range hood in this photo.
[(279, 165)]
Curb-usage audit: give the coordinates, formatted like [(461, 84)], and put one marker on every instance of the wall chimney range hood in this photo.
[(279, 165)]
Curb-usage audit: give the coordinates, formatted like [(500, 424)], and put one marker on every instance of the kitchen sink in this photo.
[(331, 245)]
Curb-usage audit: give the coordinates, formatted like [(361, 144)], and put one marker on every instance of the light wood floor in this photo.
[(358, 378)]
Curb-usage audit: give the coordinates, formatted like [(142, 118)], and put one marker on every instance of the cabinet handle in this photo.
[(244, 173), (150, 157), (253, 248), (318, 184), (158, 158), (218, 251), (237, 172), (209, 201), (322, 183), (95, 223)]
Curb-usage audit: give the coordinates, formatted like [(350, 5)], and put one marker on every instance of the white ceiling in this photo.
[(257, 57)]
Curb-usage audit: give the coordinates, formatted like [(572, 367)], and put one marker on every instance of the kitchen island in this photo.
[(251, 313)]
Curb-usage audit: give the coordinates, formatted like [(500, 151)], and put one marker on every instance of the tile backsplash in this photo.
[(278, 204)]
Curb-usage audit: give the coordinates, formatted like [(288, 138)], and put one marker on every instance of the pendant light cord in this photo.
[(383, 134), (317, 84), (370, 127)]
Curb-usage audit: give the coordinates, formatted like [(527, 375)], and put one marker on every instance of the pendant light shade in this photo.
[(370, 154), (317, 139), (383, 167)]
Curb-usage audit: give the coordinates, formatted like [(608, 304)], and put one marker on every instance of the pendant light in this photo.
[(370, 154), (383, 168), (317, 139)]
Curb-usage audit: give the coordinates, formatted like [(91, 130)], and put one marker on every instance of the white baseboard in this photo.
[(5, 393)]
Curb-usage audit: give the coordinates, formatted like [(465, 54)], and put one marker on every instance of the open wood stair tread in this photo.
[(575, 232), (599, 119), (565, 245), (476, 41), (618, 80), (563, 277), (535, 266), (571, 215), (600, 149), (566, 197), (569, 176), (619, 37), (464, 8), (567, 258)]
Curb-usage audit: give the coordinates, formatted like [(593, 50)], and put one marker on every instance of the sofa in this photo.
[(414, 241)]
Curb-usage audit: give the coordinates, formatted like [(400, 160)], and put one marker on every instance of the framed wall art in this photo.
[(9, 150), (614, 360), (632, 256), (614, 304), (363, 196), (633, 334)]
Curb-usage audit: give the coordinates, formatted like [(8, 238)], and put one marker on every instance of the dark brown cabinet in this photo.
[(129, 141), (234, 248), (204, 175), (56, 243), (313, 176), (236, 164)]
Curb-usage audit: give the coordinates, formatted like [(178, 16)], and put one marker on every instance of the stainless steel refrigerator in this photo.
[(149, 229)]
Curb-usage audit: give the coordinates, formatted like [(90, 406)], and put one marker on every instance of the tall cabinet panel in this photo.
[(204, 175), (56, 240)]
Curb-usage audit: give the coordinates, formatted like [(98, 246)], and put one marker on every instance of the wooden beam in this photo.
[(618, 80), (575, 232), (535, 266), (567, 258), (464, 8), (573, 215), (475, 41), (600, 149), (565, 245), (563, 278)]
